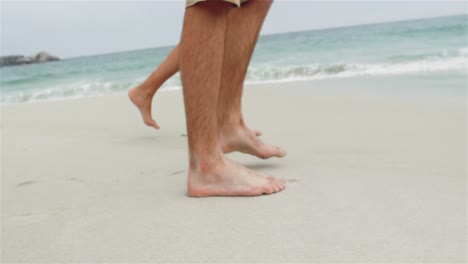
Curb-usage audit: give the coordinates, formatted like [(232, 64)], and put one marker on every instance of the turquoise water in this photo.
[(426, 48)]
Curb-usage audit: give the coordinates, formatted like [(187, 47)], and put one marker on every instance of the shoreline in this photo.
[(412, 86)]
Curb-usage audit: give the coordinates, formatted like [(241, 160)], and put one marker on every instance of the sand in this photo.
[(372, 177)]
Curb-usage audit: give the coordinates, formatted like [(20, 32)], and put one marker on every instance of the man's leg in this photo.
[(243, 28), (201, 61), (142, 95)]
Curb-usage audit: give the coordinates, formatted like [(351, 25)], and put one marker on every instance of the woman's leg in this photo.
[(142, 95)]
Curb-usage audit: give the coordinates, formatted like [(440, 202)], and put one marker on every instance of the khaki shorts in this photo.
[(236, 2)]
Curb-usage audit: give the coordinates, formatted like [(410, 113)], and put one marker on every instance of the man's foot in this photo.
[(245, 140), (257, 132), (143, 102), (228, 178)]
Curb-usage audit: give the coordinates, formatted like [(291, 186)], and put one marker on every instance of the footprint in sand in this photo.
[(25, 183)]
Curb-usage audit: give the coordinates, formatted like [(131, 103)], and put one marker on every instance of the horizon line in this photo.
[(271, 34)]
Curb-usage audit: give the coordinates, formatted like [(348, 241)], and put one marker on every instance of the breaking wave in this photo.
[(256, 74)]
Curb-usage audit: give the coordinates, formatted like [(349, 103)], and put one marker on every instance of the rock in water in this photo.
[(44, 56), (24, 60), (21, 59)]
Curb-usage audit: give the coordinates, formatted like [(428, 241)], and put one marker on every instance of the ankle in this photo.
[(145, 90), (206, 165), (231, 125)]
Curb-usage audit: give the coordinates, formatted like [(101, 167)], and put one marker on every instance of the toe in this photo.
[(268, 151), (268, 190), (152, 123), (277, 188), (282, 187), (280, 153), (280, 184)]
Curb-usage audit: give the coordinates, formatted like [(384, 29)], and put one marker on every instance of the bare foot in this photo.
[(245, 140), (143, 102), (228, 178), (257, 132)]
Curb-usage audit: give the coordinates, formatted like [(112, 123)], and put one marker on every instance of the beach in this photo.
[(373, 176)]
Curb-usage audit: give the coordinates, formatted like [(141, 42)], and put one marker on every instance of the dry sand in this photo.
[(371, 178)]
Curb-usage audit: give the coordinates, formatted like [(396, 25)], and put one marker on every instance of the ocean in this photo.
[(423, 48)]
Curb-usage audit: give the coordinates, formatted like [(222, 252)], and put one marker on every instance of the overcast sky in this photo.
[(75, 28)]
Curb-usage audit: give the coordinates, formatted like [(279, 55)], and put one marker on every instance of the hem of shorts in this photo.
[(192, 4)]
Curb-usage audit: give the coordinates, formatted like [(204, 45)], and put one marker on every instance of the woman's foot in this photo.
[(142, 101)]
